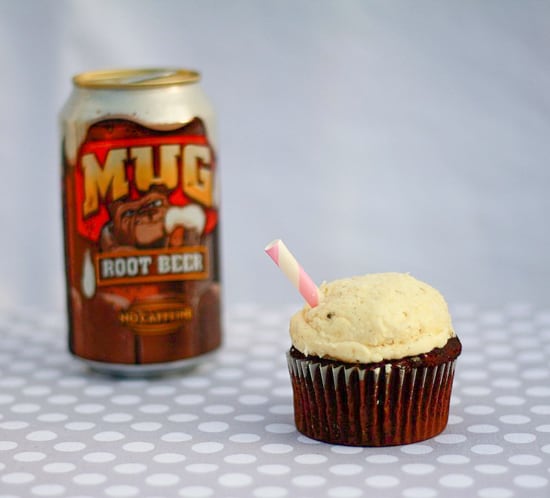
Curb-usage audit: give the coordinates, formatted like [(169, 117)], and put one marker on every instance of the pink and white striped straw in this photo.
[(284, 259)]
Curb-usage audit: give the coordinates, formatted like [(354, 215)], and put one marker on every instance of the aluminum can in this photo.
[(141, 221)]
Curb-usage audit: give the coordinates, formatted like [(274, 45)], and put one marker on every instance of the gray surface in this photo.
[(369, 135), (226, 429)]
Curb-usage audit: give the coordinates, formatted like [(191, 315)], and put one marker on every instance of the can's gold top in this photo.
[(135, 78)]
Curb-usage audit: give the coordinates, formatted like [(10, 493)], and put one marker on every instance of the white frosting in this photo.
[(371, 318)]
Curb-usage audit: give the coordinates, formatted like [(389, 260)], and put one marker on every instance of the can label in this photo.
[(141, 223)]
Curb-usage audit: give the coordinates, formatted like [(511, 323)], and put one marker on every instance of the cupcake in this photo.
[(372, 363)]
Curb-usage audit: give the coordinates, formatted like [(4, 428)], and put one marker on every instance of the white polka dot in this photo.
[(207, 447), (138, 447), (224, 391), (520, 437), (235, 480), (419, 493), (189, 399), (161, 390), (213, 427), (346, 469), (495, 493), (382, 459), (277, 449), (79, 426), (310, 459), (12, 382), (169, 458), (244, 438), (130, 468), (99, 457), (37, 390), (72, 382), (535, 373), (176, 437), (257, 383), (456, 481), (541, 409), (196, 382), (506, 383), (253, 399), (281, 409), (309, 481), (546, 448), (219, 409), (69, 446), (121, 491), (7, 445), (476, 391), (274, 469), (487, 449), (146, 426), (539, 391), (530, 481), (270, 492), (154, 409), (483, 429), (109, 436), (182, 417), (382, 481), (250, 417), (454, 419), (453, 459), (90, 479), (41, 436), (525, 459), (52, 417), (17, 478), (491, 469), (514, 419), (162, 480), (48, 490), (346, 450), (25, 408), (13, 425), (202, 468), (240, 458), (59, 467), (345, 492), (89, 408), (280, 428), (196, 492), (98, 390), (418, 469), (450, 438), (62, 399), (417, 449), (29, 456), (117, 418), (474, 374), (509, 400), (126, 399), (479, 409)]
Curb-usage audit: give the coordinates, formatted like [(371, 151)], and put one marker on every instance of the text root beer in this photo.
[(141, 220)]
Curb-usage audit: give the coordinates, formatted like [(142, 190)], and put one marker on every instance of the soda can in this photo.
[(141, 221)]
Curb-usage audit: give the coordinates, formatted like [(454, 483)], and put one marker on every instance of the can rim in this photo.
[(135, 78)]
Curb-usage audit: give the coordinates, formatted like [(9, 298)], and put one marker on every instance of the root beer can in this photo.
[(141, 221)]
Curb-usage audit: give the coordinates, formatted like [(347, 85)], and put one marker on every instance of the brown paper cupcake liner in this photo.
[(383, 404)]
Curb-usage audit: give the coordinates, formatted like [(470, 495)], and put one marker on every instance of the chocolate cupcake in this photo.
[(373, 363)]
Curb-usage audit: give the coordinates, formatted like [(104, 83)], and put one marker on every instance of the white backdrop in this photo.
[(370, 135)]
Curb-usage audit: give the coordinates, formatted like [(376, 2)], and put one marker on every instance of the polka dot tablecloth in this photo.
[(225, 429)]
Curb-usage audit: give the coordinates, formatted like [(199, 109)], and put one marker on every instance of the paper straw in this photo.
[(284, 259)]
